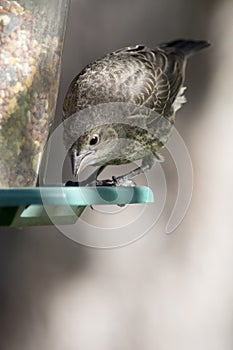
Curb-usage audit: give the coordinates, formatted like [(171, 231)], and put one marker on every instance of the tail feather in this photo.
[(188, 47)]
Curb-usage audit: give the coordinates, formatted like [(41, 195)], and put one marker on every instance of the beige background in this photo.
[(161, 292)]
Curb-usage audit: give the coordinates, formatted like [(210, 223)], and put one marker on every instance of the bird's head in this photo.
[(95, 147)]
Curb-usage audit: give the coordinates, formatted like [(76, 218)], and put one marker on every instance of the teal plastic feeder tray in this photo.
[(37, 206)]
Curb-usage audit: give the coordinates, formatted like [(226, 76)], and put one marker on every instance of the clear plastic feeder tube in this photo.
[(31, 40)]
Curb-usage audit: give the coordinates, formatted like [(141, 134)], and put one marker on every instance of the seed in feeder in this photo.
[(12, 104), (5, 20), (16, 88), (16, 8), (12, 60)]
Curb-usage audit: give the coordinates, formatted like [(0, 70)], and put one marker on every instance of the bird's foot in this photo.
[(106, 182), (123, 181), (95, 183), (115, 181)]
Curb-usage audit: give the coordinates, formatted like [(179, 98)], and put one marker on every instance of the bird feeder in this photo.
[(32, 35)]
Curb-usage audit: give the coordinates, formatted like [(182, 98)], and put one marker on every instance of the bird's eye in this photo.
[(94, 140)]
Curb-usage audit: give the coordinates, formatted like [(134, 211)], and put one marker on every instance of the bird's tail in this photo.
[(188, 47)]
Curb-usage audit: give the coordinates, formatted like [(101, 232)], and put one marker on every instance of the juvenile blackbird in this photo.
[(146, 85)]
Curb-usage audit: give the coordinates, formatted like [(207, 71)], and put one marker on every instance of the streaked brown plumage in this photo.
[(136, 75)]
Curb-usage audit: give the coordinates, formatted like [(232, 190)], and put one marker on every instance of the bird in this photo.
[(126, 102)]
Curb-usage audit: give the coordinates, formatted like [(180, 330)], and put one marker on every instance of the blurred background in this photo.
[(162, 291)]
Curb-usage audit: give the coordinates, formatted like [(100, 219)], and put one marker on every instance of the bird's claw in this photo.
[(106, 182), (123, 181), (95, 183), (115, 181)]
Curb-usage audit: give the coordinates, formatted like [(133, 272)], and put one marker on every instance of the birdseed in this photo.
[(29, 65)]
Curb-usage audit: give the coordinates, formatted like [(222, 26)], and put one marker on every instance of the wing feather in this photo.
[(151, 78)]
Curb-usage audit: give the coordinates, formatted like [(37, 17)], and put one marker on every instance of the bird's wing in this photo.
[(162, 75), (138, 75), (172, 68)]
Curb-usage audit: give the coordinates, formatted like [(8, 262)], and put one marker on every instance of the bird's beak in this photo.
[(79, 161)]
